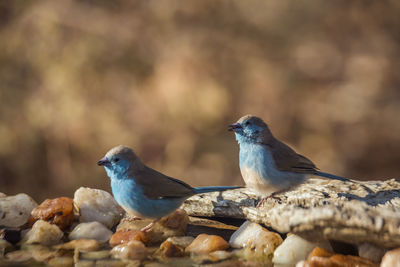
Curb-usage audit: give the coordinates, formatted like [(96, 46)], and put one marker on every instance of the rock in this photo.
[(91, 230), (181, 241), (174, 246), (391, 258), (5, 247), (124, 236), (16, 210), (321, 257), (216, 256), (168, 250), (204, 243), (59, 211), (40, 252), (95, 255), (81, 245), (43, 233), (2, 195), (371, 252), (356, 212), (18, 256), (259, 243), (172, 225), (61, 262), (294, 249), (133, 250), (96, 205)]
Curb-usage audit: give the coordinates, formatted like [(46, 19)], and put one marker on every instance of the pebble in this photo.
[(16, 210), (204, 243), (91, 230), (174, 224), (259, 244), (371, 252), (59, 211), (43, 233), (133, 250), (216, 256), (321, 257), (81, 245), (391, 258), (294, 249), (168, 250), (174, 246), (96, 205), (124, 236)]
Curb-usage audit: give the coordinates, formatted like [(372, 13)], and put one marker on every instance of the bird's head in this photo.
[(250, 129), (119, 160)]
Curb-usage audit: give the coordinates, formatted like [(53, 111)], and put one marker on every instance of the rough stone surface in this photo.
[(357, 212), (59, 211), (96, 205), (15, 210), (43, 233)]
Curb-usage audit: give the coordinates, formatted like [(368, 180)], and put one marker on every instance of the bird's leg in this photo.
[(148, 227), (273, 195)]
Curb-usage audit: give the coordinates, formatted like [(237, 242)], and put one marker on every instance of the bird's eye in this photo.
[(116, 160), (247, 123)]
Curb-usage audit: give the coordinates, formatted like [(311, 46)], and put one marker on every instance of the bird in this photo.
[(144, 192), (268, 165)]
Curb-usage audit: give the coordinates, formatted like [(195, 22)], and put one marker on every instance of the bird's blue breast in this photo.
[(259, 170), (131, 197)]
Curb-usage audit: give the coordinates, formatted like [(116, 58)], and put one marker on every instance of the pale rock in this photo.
[(43, 233), (133, 250), (81, 245), (391, 258), (295, 249), (2, 195), (371, 252), (16, 210), (96, 205), (258, 243), (91, 230)]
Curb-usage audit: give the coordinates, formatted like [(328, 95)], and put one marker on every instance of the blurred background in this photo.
[(167, 77)]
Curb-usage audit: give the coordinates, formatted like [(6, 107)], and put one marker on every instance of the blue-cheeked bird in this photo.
[(144, 192), (268, 165)]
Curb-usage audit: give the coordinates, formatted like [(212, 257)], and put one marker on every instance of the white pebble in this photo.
[(295, 249), (16, 210), (91, 230), (96, 205)]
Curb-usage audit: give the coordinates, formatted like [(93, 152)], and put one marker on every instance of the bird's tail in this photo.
[(206, 189), (331, 176)]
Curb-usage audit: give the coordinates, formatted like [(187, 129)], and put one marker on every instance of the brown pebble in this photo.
[(59, 211), (204, 243), (169, 249), (124, 236), (319, 257)]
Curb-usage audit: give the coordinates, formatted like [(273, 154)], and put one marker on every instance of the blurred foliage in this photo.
[(167, 77)]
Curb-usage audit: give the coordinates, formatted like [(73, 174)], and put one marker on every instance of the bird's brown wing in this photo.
[(286, 159), (156, 185)]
